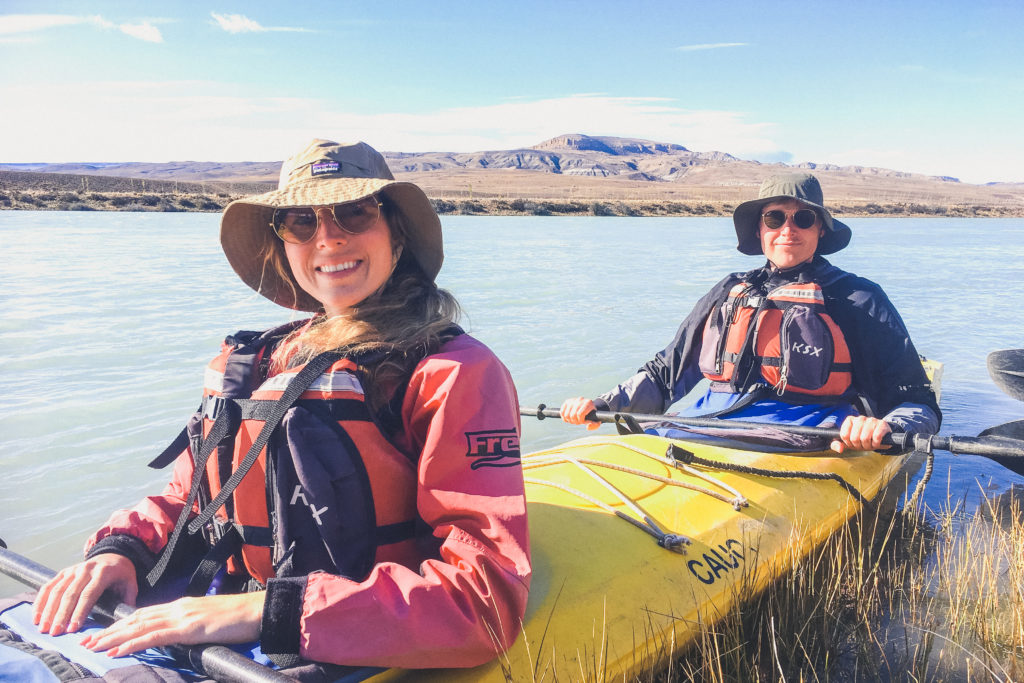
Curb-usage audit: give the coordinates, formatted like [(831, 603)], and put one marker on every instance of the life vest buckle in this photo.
[(213, 406)]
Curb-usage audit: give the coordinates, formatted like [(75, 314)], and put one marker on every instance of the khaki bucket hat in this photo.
[(324, 172), (802, 187)]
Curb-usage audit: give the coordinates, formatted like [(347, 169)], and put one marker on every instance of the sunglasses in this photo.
[(298, 225), (803, 218)]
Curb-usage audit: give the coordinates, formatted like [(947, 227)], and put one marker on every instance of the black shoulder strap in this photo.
[(291, 394), (218, 432), (173, 450), (220, 429)]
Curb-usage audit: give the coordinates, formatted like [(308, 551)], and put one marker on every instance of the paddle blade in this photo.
[(1011, 430), (1007, 370)]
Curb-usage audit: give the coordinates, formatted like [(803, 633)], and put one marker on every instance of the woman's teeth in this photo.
[(347, 265)]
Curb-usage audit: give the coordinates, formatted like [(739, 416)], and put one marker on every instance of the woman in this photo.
[(795, 341), (358, 471)]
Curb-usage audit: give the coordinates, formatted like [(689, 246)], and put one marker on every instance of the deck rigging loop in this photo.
[(639, 518), (681, 454)]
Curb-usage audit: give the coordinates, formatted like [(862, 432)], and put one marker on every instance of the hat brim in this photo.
[(246, 232), (747, 221)]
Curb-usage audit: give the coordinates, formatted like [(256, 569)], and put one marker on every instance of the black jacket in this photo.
[(887, 373)]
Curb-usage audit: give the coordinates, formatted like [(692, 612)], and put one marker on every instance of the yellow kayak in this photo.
[(633, 550)]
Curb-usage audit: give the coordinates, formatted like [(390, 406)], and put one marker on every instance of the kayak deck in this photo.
[(633, 551), (606, 597)]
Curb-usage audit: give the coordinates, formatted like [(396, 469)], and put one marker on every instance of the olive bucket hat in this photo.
[(802, 187), (324, 173)]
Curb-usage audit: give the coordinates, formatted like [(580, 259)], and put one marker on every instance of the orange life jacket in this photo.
[(785, 338), (327, 491)]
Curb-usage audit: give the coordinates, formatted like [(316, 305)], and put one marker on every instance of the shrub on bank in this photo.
[(443, 206), (470, 206)]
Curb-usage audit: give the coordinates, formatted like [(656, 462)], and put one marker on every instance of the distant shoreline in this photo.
[(513, 196), (211, 202)]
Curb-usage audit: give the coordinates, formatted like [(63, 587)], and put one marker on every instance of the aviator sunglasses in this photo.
[(803, 218), (298, 225)]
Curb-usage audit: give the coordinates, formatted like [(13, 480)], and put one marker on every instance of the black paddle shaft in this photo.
[(216, 661), (972, 445)]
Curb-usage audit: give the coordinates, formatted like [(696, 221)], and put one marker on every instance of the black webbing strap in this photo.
[(171, 453), (395, 533), (291, 394), (681, 455), (222, 426), (224, 548), (232, 539), (336, 409), (626, 424)]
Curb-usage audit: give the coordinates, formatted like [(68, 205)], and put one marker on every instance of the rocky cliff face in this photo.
[(567, 155), (574, 154)]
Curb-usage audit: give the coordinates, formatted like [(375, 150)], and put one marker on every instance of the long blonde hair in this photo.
[(387, 333)]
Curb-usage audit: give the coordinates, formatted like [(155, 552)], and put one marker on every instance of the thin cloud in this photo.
[(30, 23), (11, 24), (143, 31), (708, 46), (239, 23)]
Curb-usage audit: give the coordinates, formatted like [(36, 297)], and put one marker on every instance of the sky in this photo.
[(933, 87)]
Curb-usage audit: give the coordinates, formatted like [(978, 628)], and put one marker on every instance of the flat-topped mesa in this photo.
[(609, 145)]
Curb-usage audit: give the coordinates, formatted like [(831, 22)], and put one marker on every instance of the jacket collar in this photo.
[(818, 270)]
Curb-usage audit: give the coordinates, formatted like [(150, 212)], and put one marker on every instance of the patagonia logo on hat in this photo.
[(325, 167)]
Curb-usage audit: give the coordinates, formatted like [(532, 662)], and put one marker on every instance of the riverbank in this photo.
[(215, 199), (510, 193)]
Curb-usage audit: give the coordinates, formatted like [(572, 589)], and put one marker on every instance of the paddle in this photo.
[(1007, 370), (216, 661), (989, 446)]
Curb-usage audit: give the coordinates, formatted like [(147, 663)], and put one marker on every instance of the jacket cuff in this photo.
[(128, 546), (281, 628), (601, 404)]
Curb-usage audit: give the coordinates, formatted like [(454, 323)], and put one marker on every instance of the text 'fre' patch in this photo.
[(493, 448)]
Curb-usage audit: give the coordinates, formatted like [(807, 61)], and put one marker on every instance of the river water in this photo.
[(108, 319)]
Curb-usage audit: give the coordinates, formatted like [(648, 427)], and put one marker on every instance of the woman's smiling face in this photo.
[(340, 269)]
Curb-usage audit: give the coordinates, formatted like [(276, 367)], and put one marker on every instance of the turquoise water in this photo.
[(107, 320)]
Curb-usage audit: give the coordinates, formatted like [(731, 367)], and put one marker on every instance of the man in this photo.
[(796, 341)]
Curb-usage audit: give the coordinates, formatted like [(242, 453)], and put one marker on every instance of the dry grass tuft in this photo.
[(891, 597)]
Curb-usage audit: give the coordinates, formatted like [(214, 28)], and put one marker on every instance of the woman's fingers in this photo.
[(64, 602), (186, 621)]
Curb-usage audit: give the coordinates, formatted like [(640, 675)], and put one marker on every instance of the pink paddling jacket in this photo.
[(458, 601)]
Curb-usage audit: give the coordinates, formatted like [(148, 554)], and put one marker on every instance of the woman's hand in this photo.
[(64, 602), (575, 411), (186, 621), (862, 433)]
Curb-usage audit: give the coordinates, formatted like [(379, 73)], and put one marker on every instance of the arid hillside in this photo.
[(567, 174)]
